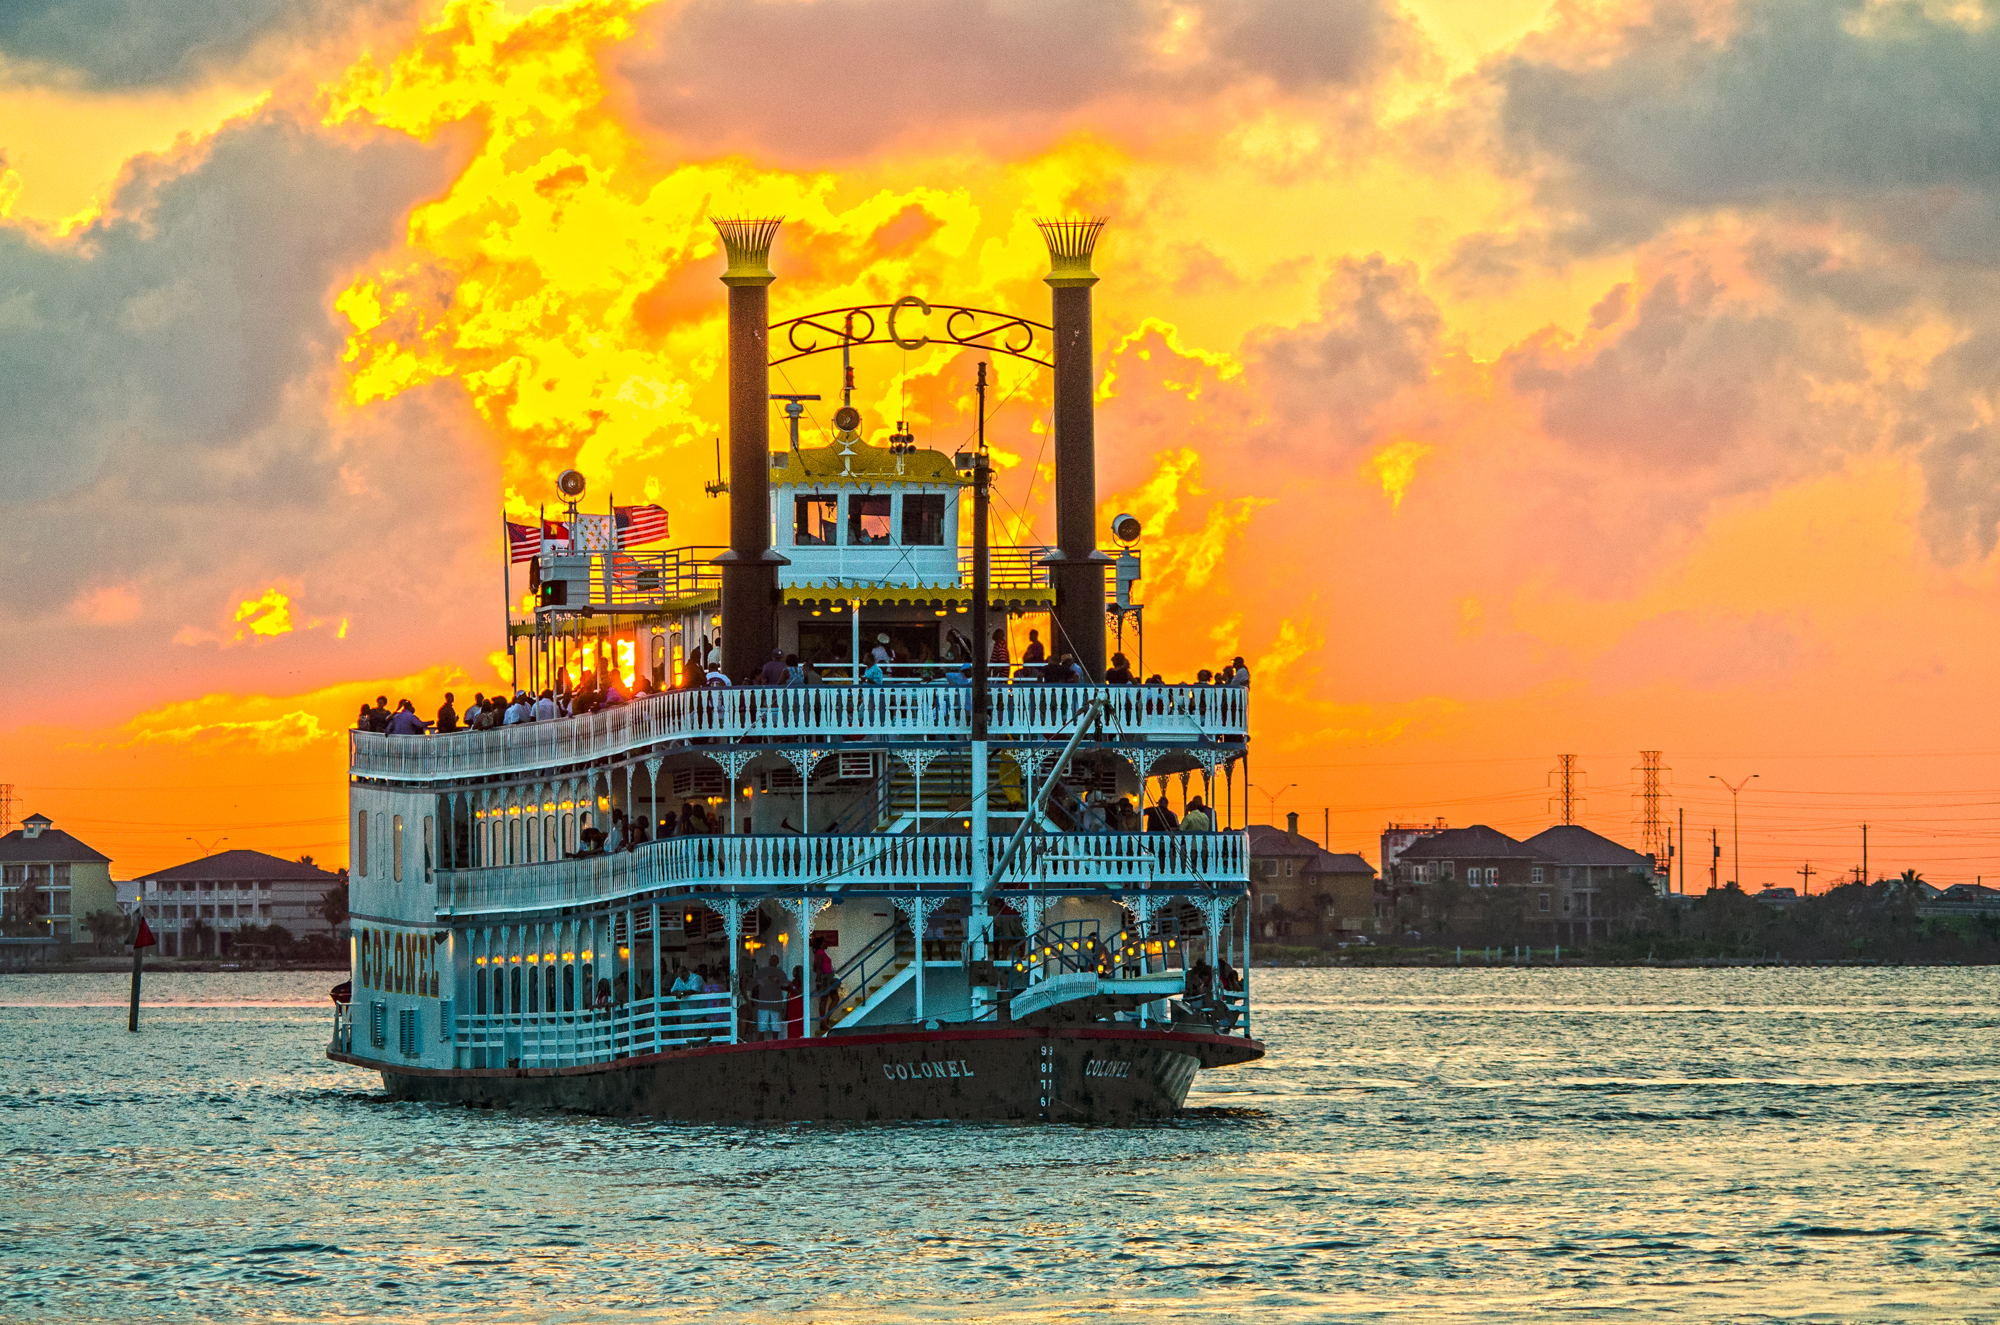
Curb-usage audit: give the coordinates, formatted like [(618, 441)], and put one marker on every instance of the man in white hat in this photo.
[(880, 653)]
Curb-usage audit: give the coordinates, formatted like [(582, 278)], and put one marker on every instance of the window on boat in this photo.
[(568, 988), (516, 1003), (429, 843), (814, 520), (868, 520), (361, 841), (923, 519), (396, 851)]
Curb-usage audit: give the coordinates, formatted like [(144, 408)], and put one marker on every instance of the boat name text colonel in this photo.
[(927, 1070)]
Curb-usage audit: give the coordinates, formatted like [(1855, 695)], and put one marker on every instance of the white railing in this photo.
[(880, 860), (805, 713), (565, 1039)]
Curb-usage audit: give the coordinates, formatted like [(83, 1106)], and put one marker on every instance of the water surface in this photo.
[(1444, 1145)]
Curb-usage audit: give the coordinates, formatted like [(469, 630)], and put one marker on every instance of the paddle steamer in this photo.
[(961, 841)]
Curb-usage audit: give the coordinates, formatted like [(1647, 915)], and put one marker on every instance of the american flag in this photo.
[(523, 541), (641, 524)]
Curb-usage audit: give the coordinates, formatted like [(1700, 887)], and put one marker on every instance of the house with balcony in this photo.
[(197, 909), (50, 881)]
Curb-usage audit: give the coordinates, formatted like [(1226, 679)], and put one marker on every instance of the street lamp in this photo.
[(1735, 835), (1271, 799), (209, 850)]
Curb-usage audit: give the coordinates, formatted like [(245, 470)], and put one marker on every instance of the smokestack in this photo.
[(1076, 567), (1292, 822), (749, 568)]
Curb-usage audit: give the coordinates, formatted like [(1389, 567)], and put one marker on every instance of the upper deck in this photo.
[(1181, 716)]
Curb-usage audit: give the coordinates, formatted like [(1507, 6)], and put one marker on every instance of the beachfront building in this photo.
[(1565, 884), (50, 881), (1299, 888), (198, 909)]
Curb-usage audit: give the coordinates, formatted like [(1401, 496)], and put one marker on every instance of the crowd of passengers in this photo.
[(784, 669)]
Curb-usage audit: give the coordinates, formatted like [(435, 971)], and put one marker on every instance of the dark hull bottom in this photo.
[(1080, 1074)]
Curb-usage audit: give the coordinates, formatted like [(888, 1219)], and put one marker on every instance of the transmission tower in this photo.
[(1567, 778), (6, 807), (1652, 820)]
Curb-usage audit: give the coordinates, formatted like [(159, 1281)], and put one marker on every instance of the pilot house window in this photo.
[(923, 520), (867, 521), (815, 520)]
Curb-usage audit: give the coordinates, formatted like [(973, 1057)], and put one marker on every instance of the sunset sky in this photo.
[(1502, 379)]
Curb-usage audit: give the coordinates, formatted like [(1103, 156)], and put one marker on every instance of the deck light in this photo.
[(586, 954), (624, 952), (568, 956)]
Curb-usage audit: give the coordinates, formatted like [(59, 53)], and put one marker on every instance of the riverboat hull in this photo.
[(1072, 1074)]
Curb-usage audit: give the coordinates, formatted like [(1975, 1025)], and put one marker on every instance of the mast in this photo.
[(981, 922)]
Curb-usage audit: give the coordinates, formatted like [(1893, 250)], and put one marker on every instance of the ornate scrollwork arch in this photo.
[(875, 324)]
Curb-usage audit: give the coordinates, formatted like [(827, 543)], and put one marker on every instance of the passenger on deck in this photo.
[(669, 824), (447, 719), (685, 982), (716, 676), (1125, 816), (872, 674), (767, 995), (999, 650), (824, 989), (773, 673), (545, 707), (1199, 977), (406, 722), (881, 653), (1226, 975), (1240, 675), (795, 671), (1160, 818), (1196, 819), (1120, 673), (615, 839), (1034, 655), (795, 1007)]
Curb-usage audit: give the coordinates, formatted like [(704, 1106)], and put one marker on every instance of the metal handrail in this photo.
[(1184, 714)]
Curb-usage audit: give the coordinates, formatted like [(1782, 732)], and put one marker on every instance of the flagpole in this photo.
[(507, 598)]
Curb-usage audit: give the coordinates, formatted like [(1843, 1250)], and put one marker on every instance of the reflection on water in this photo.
[(1785, 1144)]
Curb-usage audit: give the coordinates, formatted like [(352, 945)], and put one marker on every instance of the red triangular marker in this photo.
[(144, 938)]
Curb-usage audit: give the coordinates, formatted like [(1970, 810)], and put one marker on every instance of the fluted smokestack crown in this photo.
[(1070, 246), (747, 240)]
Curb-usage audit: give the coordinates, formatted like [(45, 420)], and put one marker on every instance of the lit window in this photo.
[(867, 520), (814, 520), (396, 850), (923, 520)]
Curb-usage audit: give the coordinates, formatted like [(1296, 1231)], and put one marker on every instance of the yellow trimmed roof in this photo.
[(818, 465), (915, 595)]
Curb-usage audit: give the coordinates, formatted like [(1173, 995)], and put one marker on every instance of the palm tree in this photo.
[(1910, 879)]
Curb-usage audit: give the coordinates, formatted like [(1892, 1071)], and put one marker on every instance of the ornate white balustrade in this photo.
[(790, 861), (1191, 714)]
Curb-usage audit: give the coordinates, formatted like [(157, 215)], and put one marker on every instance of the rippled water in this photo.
[(1696, 1145)]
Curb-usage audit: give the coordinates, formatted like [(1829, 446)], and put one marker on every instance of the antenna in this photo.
[(1652, 826), (6, 807), (721, 485), (1569, 778), (794, 408)]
